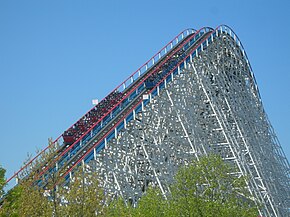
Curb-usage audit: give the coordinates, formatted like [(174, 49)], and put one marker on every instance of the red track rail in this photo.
[(56, 140), (51, 145), (128, 94), (97, 143)]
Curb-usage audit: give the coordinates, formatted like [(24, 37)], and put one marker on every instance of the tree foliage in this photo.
[(27, 198), (43, 196), (11, 204), (206, 187), (2, 181), (203, 188), (83, 196)]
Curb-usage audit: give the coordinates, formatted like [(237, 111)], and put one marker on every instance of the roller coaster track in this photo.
[(123, 86), (132, 97), (197, 54)]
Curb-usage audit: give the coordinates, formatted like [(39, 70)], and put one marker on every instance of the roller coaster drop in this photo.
[(196, 96)]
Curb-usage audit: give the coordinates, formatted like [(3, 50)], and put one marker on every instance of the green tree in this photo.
[(153, 204), (203, 188), (46, 196), (35, 198), (207, 188), (33, 202), (83, 195), (10, 206), (2, 181), (118, 208), (27, 198)]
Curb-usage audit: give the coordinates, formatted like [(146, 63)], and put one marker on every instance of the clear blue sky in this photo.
[(56, 56)]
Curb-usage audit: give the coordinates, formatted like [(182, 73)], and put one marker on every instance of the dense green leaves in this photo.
[(206, 188), (2, 181), (152, 204), (11, 204)]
